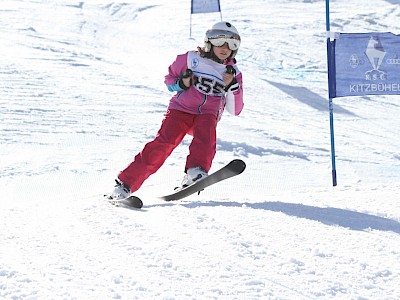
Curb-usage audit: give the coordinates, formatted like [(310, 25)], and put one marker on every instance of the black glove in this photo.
[(230, 70), (188, 73), (234, 85)]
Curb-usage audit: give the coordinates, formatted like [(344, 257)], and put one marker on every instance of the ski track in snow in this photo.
[(81, 92)]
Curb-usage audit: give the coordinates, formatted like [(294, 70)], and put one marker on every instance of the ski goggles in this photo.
[(219, 37)]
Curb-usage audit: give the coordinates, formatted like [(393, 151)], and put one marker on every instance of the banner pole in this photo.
[(329, 61)]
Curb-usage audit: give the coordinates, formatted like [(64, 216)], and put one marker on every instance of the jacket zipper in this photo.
[(204, 102)]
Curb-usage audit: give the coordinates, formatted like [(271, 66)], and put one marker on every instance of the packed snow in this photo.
[(81, 92)]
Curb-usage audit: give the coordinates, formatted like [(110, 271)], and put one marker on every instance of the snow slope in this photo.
[(81, 92)]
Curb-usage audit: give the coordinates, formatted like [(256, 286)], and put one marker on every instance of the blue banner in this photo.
[(365, 64), (205, 6)]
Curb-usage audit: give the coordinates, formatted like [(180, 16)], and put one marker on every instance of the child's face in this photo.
[(222, 52)]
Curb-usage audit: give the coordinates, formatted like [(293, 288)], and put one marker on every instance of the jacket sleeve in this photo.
[(174, 72), (234, 100)]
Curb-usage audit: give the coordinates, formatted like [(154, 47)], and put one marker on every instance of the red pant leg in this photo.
[(203, 146), (173, 129)]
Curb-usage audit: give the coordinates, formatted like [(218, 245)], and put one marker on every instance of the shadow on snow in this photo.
[(326, 215), (244, 149), (309, 98)]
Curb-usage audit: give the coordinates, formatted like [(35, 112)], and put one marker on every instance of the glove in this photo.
[(230, 70), (188, 73), (234, 85)]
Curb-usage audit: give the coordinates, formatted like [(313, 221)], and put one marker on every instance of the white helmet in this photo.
[(221, 33)]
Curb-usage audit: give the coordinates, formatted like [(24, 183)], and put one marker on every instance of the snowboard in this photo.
[(129, 202), (235, 167)]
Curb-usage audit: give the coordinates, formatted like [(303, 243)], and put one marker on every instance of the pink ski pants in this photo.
[(175, 126)]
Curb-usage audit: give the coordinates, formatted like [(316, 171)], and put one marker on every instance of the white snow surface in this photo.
[(81, 92)]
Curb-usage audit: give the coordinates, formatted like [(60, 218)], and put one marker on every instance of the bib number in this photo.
[(208, 86)]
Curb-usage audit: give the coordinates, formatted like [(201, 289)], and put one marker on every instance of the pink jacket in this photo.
[(206, 95)]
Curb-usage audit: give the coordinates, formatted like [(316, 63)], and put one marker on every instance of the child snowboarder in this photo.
[(205, 81)]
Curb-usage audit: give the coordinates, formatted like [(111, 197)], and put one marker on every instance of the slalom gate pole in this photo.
[(330, 59)]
